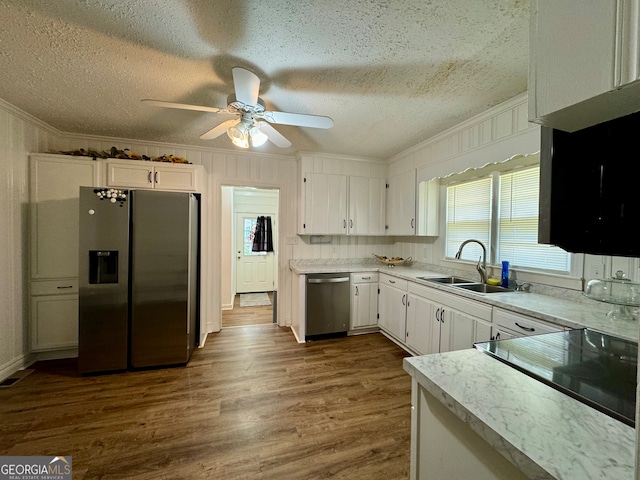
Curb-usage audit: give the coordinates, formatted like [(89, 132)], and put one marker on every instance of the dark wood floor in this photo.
[(251, 404), (243, 316)]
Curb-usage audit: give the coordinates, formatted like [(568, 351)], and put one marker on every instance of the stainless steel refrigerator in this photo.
[(139, 278)]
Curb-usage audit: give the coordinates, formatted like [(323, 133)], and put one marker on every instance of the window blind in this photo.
[(468, 216), (518, 224)]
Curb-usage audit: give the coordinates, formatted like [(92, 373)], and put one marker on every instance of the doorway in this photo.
[(249, 278)]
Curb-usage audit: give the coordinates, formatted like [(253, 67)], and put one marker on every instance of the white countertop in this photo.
[(559, 311), (545, 433)]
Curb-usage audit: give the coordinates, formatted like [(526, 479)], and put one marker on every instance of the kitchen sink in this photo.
[(483, 288), (449, 280)]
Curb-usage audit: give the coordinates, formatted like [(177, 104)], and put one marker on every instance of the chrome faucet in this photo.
[(482, 269)]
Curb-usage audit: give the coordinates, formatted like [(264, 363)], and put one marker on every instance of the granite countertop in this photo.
[(545, 433), (560, 311)]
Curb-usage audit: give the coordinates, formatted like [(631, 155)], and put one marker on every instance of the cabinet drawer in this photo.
[(365, 277), (55, 287), (522, 324), (394, 281)]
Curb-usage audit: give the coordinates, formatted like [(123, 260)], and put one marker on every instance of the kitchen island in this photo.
[(544, 433)]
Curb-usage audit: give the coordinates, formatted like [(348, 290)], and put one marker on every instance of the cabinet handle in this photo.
[(438, 315), (357, 291), (528, 329), (149, 176), (366, 278), (392, 281), (60, 287), (412, 222), (155, 177), (442, 315), (350, 223), (404, 298)]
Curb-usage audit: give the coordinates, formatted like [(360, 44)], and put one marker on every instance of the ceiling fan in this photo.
[(253, 127)]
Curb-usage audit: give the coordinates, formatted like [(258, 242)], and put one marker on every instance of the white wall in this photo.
[(19, 135)]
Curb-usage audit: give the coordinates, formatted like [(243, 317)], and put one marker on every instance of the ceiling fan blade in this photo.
[(182, 106), (298, 119), (275, 136), (218, 130), (247, 85)]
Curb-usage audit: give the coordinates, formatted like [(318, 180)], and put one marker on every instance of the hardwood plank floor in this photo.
[(251, 404), (244, 316)]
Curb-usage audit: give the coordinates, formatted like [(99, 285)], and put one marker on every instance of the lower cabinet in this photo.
[(392, 306), (54, 315), (428, 320), (364, 300), (509, 324), (442, 322)]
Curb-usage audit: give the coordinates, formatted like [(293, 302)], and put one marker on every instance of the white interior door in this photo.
[(254, 270)]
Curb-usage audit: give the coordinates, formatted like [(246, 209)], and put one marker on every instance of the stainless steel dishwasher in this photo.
[(328, 304)]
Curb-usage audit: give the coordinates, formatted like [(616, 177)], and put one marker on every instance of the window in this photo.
[(507, 222), (469, 216)]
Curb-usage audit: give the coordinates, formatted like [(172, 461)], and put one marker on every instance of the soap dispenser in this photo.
[(505, 274)]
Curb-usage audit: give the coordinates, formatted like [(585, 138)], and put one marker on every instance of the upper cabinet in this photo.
[(342, 205), (366, 206), (584, 62), (54, 194), (325, 204), (401, 204), (153, 175)]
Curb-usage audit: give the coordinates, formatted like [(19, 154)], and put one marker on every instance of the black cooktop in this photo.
[(597, 369)]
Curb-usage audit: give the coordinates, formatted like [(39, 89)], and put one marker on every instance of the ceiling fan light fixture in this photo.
[(257, 137), (239, 134)]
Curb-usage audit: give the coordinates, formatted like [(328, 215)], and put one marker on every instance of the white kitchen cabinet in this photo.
[(54, 182), (53, 192), (367, 199), (583, 62), (343, 205), (443, 322), (153, 175), (422, 328), (54, 322), (401, 204), (510, 324), (364, 300), (392, 306), (325, 204)]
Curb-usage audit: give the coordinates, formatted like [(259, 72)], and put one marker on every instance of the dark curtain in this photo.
[(263, 238)]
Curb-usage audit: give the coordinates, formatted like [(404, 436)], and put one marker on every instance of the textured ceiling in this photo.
[(390, 73)]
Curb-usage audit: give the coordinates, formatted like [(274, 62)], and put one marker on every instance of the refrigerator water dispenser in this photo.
[(103, 266)]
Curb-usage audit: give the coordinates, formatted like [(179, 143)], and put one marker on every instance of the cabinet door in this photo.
[(131, 174), (54, 193), (54, 322), (364, 305), (456, 331), (401, 204), (460, 331), (325, 204), (176, 177), (423, 327), (367, 199), (583, 62), (392, 309)]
